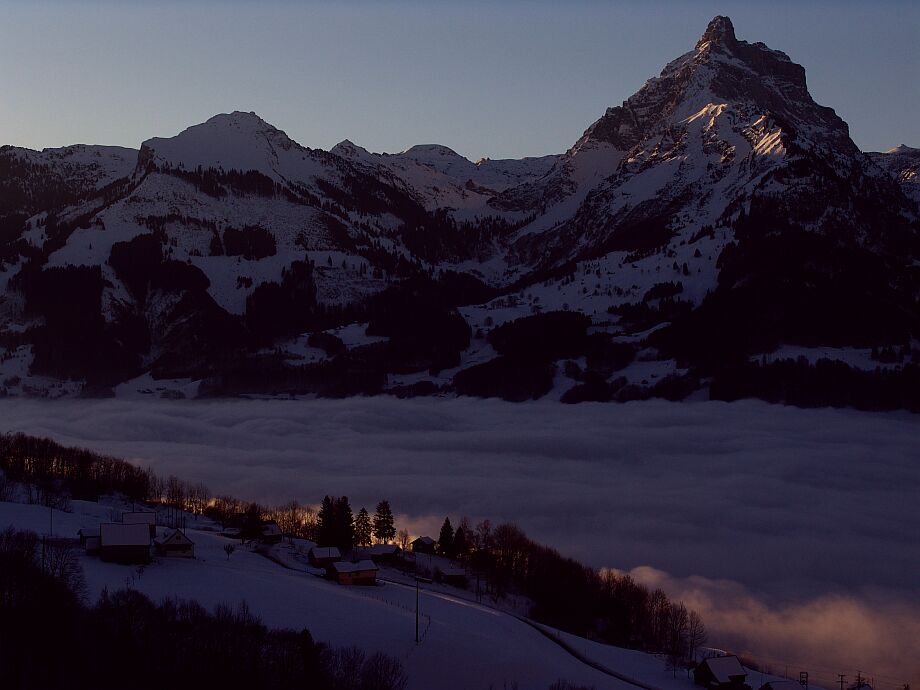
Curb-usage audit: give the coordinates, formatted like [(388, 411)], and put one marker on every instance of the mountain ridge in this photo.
[(718, 189)]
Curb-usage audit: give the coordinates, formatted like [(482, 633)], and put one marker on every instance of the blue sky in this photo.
[(488, 79)]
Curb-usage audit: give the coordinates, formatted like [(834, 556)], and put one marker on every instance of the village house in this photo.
[(455, 577), (142, 518), (383, 553), (175, 543), (126, 544), (360, 573), (271, 533), (720, 673), (423, 545), (781, 685), (323, 556)]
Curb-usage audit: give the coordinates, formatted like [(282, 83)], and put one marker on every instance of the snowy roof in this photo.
[(724, 667), (120, 534), (139, 517), (345, 567), (380, 549), (270, 528), (175, 536), (783, 685), (425, 540), (325, 552)]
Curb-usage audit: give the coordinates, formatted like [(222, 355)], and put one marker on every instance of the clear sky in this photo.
[(499, 79)]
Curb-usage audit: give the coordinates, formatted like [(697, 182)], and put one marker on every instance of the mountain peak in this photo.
[(720, 31)]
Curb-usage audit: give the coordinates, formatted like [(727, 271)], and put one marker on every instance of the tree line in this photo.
[(566, 594), (50, 638), (604, 604)]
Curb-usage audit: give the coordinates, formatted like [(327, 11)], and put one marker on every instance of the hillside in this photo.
[(464, 645), (714, 223)]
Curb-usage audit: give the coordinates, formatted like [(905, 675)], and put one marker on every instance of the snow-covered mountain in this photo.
[(903, 162), (716, 215)]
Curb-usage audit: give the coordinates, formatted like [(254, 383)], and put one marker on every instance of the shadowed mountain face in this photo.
[(718, 215)]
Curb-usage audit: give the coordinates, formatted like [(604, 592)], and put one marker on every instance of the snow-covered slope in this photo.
[(441, 178), (464, 645), (903, 162)]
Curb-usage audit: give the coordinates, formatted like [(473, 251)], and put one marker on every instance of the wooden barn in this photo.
[(126, 544), (360, 573), (455, 577), (270, 533), (175, 544), (323, 556), (423, 545), (142, 518), (720, 673), (384, 553)]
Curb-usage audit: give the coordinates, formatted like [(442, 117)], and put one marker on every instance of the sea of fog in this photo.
[(795, 532)]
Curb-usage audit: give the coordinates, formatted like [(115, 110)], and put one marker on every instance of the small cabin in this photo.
[(455, 577), (125, 544), (720, 673), (423, 545), (270, 533), (384, 553), (323, 556), (360, 573), (781, 685), (175, 544), (142, 518)]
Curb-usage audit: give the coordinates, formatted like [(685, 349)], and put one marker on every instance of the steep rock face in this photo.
[(721, 124)]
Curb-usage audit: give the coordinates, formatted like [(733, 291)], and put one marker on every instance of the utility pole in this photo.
[(840, 680)]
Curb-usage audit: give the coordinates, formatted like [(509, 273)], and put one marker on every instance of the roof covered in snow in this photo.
[(360, 566), (325, 552), (725, 667)]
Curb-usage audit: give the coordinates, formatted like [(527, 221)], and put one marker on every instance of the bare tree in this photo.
[(229, 549), (696, 634), (402, 539)]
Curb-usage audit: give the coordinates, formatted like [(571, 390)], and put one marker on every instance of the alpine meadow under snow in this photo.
[(686, 349)]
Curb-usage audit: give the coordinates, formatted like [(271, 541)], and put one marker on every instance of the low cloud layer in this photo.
[(809, 510)]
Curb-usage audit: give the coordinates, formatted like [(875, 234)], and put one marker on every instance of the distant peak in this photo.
[(430, 149), (902, 148), (720, 31), (238, 117)]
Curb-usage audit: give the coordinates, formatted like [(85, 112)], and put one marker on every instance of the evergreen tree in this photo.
[(461, 547), (446, 538), (384, 529), (326, 532), (363, 528), (345, 525)]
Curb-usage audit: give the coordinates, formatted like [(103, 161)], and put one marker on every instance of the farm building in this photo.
[(454, 576), (142, 518), (383, 553), (720, 673), (121, 543), (271, 533), (175, 543), (360, 573), (323, 556), (423, 545), (781, 685)]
